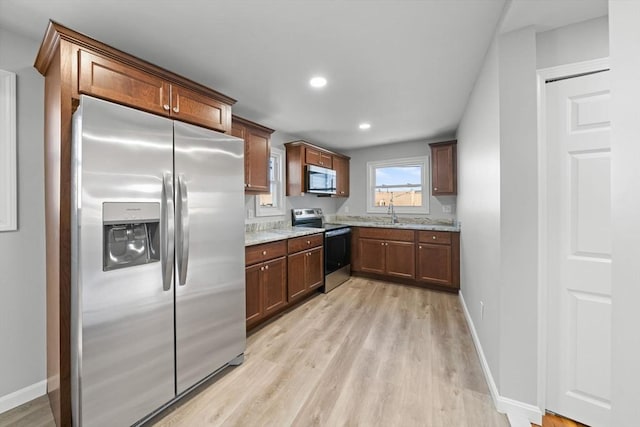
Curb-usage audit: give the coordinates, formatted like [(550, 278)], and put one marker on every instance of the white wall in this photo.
[(518, 215), (22, 253), (479, 207), (625, 181), (573, 43), (356, 204)]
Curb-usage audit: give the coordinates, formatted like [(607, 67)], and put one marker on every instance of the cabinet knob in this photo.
[(266, 267), (248, 185), (261, 268), (419, 247), (264, 252), (433, 237), (308, 242), (176, 109), (435, 188), (382, 244), (166, 107)]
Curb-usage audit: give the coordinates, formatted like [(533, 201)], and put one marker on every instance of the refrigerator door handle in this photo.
[(182, 208), (167, 248)]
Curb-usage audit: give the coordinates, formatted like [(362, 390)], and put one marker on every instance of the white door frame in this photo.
[(543, 75)]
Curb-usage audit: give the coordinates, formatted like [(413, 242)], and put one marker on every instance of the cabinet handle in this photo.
[(264, 252), (266, 267), (166, 107), (176, 109)]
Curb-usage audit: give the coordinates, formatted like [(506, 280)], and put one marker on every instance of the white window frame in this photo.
[(279, 186), (422, 161), (8, 166)]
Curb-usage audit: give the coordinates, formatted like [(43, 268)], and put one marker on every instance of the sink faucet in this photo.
[(392, 212)]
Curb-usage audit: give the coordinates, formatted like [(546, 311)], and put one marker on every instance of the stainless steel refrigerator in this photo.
[(158, 260)]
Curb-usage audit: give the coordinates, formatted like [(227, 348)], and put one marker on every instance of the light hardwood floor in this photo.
[(369, 353)]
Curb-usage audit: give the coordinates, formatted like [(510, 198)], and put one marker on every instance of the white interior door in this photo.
[(579, 248)]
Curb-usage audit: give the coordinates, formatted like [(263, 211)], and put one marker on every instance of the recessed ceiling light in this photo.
[(318, 82), (365, 126)]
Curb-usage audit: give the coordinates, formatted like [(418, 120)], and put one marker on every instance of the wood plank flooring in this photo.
[(369, 353)]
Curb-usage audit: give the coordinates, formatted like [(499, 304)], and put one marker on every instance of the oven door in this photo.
[(337, 249)]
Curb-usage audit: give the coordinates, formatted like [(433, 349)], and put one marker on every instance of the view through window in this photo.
[(401, 182)]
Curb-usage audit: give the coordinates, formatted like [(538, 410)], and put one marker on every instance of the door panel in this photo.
[(123, 319), (210, 306), (579, 249), (401, 259), (372, 255), (275, 284), (315, 270)]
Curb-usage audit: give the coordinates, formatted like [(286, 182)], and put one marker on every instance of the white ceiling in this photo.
[(405, 66)]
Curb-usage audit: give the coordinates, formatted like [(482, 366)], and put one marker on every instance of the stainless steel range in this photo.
[(337, 245)]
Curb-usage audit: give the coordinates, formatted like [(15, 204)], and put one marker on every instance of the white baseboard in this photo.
[(21, 396), (519, 413)]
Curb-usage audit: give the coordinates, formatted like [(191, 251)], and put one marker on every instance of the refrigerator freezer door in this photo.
[(123, 361), (210, 301)]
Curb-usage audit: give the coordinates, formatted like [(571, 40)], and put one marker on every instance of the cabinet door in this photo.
[(274, 281), (114, 81), (296, 276), (193, 107), (443, 165), (341, 166), (401, 259), (254, 310), (318, 158), (315, 268), (257, 153), (372, 255), (434, 263)]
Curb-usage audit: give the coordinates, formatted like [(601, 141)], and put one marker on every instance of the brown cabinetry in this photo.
[(393, 254), (444, 179), (120, 82), (266, 280), (341, 166), (300, 154), (387, 251), (439, 258), (257, 150), (306, 265)]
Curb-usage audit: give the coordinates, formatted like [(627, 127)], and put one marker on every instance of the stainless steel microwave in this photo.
[(320, 180)]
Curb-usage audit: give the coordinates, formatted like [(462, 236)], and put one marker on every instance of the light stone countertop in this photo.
[(275, 234)]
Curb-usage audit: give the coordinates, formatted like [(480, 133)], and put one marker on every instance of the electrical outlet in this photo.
[(446, 208), (481, 310)]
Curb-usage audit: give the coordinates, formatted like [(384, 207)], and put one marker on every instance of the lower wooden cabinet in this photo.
[(439, 258), (278, 274), (387, 252), (266, 288), (416, 257), (305, 268)]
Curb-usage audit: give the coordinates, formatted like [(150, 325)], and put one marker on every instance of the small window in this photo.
[(272, 204), (401, 182)]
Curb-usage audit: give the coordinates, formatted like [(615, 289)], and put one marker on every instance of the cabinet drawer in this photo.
[(388, 234), (264, 252), (436, 237), (298, 244)]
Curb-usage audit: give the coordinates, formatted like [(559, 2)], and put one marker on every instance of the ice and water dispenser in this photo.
[(131, 234)]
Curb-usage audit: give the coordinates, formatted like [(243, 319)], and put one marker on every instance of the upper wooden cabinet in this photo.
[(93, 68), (444, 180), (257, 150), (314, 156), (341, 166), (301, 153)]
